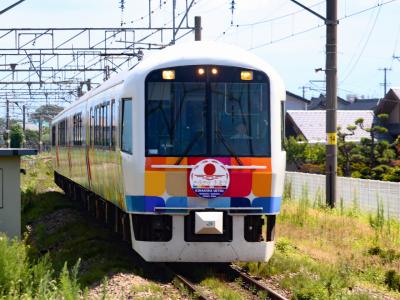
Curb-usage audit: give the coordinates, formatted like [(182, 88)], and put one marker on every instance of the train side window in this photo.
[(77, 130), (126, 126), (107, 125), (90, 127), (53, 135), (62, 133), (95, 126), (112, 124)]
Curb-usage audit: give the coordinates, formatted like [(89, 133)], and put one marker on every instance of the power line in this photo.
[(379, 5), (364, 46)]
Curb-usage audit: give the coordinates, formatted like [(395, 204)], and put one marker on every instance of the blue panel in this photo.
[(151, 202), (177, 202), (240, 202), (270, 205), (219, 202), (197, 202), (135, 203), (143, 203)]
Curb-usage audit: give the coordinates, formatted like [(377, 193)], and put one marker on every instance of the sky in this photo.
[(289, 38)]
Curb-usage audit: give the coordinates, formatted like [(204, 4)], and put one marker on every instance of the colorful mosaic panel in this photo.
[(170, 187)]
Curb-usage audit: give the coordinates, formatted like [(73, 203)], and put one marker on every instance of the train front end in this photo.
[(214, 166)]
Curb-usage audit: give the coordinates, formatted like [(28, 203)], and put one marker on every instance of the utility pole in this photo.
[(197, 28), (149, 13), (331, 101), (40, 134), (23, 125), (7, 114), (173, 22), (8, 123), (385, 70), (331, 23)]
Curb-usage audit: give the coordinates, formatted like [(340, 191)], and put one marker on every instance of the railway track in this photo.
[(246, 282), (251, 284)]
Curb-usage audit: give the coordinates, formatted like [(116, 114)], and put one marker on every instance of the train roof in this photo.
[(205, 52), (190, 53)]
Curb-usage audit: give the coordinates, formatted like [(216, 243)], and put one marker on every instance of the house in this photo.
[(352, 103), (311, 124), (390, 105), (295, 102)]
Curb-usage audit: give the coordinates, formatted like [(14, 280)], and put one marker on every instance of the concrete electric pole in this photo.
[(331, 22), (385, 70), (331, 101)]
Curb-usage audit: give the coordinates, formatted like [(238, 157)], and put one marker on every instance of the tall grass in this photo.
[(340, 253), (21, 278)]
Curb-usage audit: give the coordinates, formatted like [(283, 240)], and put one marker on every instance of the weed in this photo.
[(392, 280), (181, 287), (377, 221), (302, 209), (21, 278), (284, 245), (287, 190), (220, 290), (319, 199)]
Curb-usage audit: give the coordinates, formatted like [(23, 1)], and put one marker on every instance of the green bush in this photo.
[(16, 136), (392, 280), (21, 278)]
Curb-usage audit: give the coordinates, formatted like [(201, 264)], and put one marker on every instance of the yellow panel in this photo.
[(177, 183), (154, 183), (262, 184)]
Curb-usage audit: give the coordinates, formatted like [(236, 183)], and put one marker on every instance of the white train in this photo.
[(182, 154)]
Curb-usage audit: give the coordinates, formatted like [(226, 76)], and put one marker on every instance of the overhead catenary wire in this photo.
[(363, 48), (345, 17)]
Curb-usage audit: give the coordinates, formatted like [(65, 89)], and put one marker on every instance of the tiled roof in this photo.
[(358, 104), (387, 104), (290, 94), (311, 123), (361, 104)]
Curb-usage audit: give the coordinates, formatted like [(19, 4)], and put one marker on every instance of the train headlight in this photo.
[(246, 75), (214, 71), (200, 71), (168, 74)]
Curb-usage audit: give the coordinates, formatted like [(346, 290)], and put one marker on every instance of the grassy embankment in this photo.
[(321, 253), (56, 238), (334, 254)]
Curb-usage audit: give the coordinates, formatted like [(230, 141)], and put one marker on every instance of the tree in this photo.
[(345, 149), (46, 113), (295, 150), (374, 155), (32, 138), (16, 136)]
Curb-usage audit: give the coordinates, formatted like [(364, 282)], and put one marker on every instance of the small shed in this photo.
[(10, 192)]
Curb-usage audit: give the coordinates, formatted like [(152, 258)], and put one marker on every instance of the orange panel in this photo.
[(173, 160), (262, 184), (154, 183), (154, 161), (262, 161)]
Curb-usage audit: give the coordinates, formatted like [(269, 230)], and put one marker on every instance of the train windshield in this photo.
[(198, 113)]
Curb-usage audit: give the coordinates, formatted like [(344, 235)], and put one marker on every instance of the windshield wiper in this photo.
[(231, 152), (189, 147)]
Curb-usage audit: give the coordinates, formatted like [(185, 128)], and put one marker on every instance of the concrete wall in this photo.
[(10, 196), (363, 193)]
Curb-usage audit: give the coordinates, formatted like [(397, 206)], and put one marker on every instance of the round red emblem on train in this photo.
[(209, 178)]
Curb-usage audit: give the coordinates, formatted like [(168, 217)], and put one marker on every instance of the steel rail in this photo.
[(194, 291), (271, 294)]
